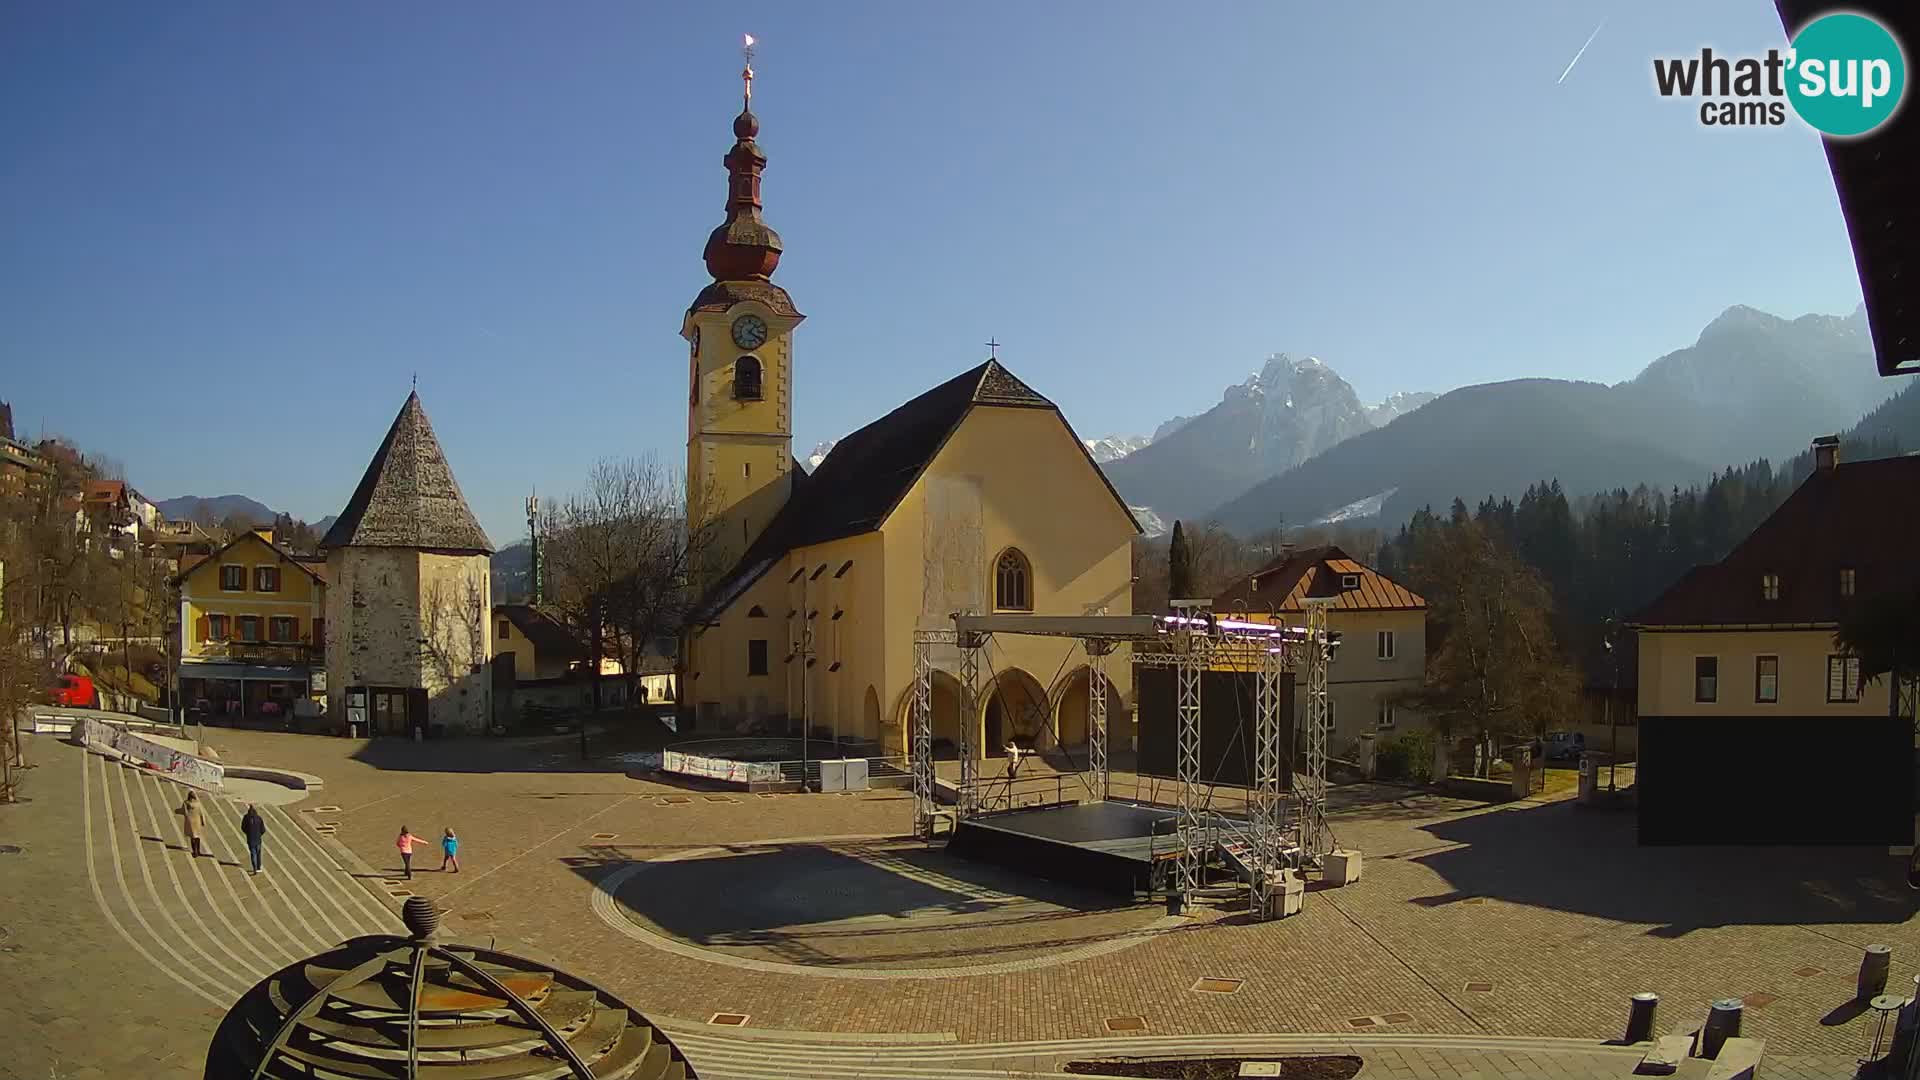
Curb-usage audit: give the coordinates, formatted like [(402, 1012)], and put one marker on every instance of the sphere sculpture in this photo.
[(413, 1007)]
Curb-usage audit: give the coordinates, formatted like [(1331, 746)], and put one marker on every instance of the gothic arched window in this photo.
[(1012, 582), (746, 379)]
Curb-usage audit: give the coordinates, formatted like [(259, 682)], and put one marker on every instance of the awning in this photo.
[(218, 669)]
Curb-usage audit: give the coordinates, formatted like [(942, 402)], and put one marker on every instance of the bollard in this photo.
[(1640, 1017), (1723, 1023), (1873, 972)]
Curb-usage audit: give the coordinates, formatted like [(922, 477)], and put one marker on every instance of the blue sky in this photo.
[(234, 231)]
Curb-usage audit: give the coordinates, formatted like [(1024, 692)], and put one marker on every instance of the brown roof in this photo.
[(856, 487), (546, 633), (408, 497), (1873, 176), (1861, 515), (1316, 572), (105, 491), (307, 563)]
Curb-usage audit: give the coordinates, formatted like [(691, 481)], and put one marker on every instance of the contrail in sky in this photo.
[(1578, 55)]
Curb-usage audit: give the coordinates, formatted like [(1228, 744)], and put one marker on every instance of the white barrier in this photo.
[(738, 772), (180, 765)]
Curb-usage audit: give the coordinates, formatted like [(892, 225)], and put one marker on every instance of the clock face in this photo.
[(749, 332)]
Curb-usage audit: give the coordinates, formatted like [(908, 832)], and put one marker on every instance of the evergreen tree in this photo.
[(1179, 566)]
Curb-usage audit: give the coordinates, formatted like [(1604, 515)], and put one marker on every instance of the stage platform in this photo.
[(1109, 846)]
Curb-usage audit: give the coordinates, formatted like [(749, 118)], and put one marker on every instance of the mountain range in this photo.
[(1753, 385), (217, 508)]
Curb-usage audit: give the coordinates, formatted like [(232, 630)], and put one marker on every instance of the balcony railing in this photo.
[(262, 652)]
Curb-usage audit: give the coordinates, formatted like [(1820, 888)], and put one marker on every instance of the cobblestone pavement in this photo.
[(1533, 921)]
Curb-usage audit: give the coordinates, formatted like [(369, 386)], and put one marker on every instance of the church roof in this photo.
[(855, 488), (408, 497)]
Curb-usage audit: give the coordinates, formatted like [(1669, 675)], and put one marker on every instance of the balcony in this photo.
[(265, 653)]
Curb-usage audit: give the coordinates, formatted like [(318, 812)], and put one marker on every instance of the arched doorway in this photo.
[(1015, 708), (946, 716), (870, 714), (1070, 709)]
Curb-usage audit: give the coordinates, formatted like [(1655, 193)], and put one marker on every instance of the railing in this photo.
[(262, 652)]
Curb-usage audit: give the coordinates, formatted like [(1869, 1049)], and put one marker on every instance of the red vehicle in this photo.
[(74, 691)]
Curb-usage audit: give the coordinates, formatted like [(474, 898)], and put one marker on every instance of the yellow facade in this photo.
[(1015, 478), (1801, 684), (739, 436), (251, 599)]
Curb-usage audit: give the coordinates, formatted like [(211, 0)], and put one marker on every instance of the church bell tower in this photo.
[(739, 334)]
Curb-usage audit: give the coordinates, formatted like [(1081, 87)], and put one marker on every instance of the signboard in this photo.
[(737, 772), (357, 699), (318, 680), (356, 716)]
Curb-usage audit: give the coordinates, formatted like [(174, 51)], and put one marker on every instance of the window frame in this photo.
[(219, 627), (1849, 687), (1769, 586), (1713, 681), (290, 623), (753, 388), (1759, 678), (1849, 581), (228, 570), (241, 622), (506, 630), (1021, 569), (1384, 718), (1383, 648), (260, 572), (758, 664)]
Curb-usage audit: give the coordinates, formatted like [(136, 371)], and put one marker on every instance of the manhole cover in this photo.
[(400, 894), (676, 800), (767, 795), (1217, 986), (1363, 1022), (1126, 1023), (718, 798), (729, 1019), (1479, 988), (477, 916), (604, 835), (1397, 1018), (10, 849), (1807, 972), (1759, 999)]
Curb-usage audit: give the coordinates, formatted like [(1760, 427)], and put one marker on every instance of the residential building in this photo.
[(530, 644), (117, 514), (1740, 655), (253, 619), (1383, 636), (409, 649), (974, 495)]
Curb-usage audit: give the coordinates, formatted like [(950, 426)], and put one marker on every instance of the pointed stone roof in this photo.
[(408, 497)]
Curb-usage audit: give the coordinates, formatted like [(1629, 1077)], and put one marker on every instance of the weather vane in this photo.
[(746, 74)]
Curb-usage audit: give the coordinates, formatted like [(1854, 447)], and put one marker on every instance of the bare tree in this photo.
[(622, 563)]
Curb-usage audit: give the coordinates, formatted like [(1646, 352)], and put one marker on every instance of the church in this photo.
[(976, 495)]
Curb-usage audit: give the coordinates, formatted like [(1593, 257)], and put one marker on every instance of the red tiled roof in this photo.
[(1316, 572), (1859, 515)]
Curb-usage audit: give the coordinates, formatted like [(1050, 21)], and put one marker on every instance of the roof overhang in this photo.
[(1874, 176), (1726, 628)]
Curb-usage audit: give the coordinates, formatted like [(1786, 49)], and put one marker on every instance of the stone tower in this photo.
[(739, 331), (408, 594)]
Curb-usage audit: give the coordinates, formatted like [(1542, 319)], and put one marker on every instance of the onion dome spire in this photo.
[(744, 247)]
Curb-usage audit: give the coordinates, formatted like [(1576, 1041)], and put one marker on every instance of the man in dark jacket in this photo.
[(255, 829)]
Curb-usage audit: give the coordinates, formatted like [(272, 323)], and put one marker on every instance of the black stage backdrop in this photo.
[(1226, 726)]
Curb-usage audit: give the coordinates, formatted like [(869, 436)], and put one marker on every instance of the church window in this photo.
[(757, 656), (746, 379), (1012, 582), (756, 612)]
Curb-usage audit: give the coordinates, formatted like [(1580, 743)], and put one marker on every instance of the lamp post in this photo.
[(1613, 691)]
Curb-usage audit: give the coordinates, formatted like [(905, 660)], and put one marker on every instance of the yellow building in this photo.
[(253, 628), (1755, 725), (975, 495), (1383, 636), (531, 645)]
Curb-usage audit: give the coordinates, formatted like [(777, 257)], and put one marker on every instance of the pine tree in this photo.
[(1179, 565)]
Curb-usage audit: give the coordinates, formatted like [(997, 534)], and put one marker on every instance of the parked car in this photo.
[(1563, 745), (74, 691)]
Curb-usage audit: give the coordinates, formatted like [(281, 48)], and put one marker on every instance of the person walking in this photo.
[(192, 821), (254, 828), (405, 844), (450, 852)]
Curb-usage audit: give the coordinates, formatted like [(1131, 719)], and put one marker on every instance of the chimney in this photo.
[(1826, 453)]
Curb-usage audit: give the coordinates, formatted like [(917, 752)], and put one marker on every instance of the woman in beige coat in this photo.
[(193, 820)]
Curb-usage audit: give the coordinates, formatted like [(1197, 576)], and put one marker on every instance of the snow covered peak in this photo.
[(1115, 447), (819, 454)]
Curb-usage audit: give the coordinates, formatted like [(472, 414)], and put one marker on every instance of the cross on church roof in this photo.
[(994, 348)]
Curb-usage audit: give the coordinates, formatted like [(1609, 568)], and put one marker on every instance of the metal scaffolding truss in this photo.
[(1191, 645)]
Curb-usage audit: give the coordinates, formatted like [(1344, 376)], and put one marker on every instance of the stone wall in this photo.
[(398, 617)]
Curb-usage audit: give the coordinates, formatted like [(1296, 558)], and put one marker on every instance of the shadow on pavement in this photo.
[(1562, 857)]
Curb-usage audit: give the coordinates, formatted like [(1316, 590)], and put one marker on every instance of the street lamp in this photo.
[(1613, 729)]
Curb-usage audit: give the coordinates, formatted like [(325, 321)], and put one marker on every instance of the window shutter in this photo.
[(200, 628)]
